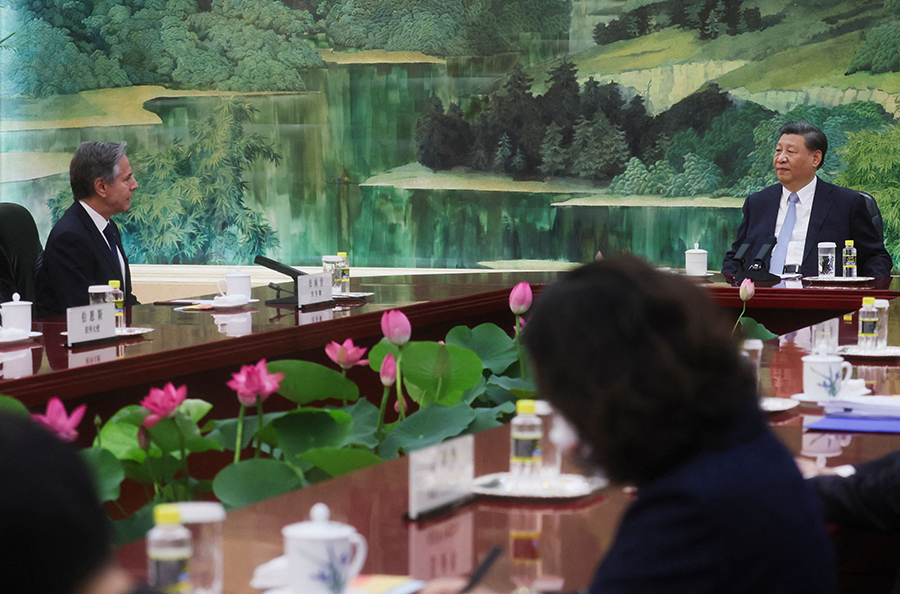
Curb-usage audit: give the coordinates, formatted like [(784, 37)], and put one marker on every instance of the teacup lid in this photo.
[(696, 250), (237, 272), (16, 301), (318, 526)]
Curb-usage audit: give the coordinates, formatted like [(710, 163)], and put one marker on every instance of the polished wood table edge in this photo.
[(806, 298), (100, 377)]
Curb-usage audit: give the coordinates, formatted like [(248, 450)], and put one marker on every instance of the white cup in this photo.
[(238, 283), (236, 324), (17, 364), (695, 261), (16, 314), (823, 375), (323, 557)]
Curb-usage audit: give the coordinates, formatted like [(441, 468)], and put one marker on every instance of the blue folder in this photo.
[(857, 425)]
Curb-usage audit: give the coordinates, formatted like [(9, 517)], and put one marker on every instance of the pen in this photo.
[(480, 572)]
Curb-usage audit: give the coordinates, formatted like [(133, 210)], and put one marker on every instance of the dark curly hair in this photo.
[(641, 363)]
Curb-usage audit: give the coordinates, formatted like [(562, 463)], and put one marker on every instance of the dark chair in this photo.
[(875, 213), (19, 240)]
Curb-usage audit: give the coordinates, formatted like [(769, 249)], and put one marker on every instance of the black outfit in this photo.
[(868, 500), (837, 214), (738, 518), (76, 257)]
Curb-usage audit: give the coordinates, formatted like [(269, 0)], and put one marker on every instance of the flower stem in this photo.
[(400, 408), (743, 309), (344, 387), (522, 371), (379, 428), (187, 474), (240, 436), (259, 424)]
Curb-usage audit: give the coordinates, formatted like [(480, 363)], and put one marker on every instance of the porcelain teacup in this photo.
[(823, 375)]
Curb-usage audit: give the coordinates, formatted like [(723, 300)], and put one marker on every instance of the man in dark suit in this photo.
[(803, 211), (84, 247)]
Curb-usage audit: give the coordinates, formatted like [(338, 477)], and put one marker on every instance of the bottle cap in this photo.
[(115, 284), (868, 301), (848, 243), (343, 255), (166, 513), (525, 407), (827, 244), (879, 303)]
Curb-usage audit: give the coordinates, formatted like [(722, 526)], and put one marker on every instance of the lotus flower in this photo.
[(397, 405), (520, 298), (254, 380), (57, 421), (395, 326), (747, 290), (388, 371), (163, 403), (346, 355)]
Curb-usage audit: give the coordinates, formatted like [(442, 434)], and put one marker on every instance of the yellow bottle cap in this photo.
[(166, 513), (343, 255), (115, 284), (525, 407), (849, 243), (868, 301)]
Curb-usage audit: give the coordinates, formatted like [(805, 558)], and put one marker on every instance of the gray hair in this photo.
[(94, 160)]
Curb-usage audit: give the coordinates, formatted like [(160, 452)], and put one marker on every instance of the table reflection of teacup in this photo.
[(238, 324), (237, 283), (823, 445), (823, 375), (16, 364)]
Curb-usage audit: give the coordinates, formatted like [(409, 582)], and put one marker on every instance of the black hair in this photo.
[(642, 365), (55, 533), (92, 161), (813, 138)]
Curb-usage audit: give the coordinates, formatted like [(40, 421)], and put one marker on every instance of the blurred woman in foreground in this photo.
[(641, 365)]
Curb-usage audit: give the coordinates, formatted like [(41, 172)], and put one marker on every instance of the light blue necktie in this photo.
[(779, 254)]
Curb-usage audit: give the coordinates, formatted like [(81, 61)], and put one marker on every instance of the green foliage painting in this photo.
[(441, 133)]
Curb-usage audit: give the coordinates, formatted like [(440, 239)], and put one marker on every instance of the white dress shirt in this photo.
[(801, 224), (101, 226)]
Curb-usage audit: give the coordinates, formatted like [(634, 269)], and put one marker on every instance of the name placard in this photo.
[(313, 288), (90, 322), (441, 474)]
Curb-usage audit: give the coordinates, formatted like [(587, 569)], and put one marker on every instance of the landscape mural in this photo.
[(443, 133)]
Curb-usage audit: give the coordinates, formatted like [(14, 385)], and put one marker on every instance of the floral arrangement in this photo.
[(750, 328), (466, 383)]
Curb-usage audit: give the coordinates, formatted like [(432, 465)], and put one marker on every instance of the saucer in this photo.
[(566, 486), (813, 400), (20, 340), (221, 306), (777, 404), (853, 350), (839, 280)]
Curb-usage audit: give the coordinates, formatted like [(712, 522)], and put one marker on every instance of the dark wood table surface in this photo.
[(547, 545)]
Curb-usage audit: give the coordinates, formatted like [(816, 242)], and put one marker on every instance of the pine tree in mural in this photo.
[(562, 101), (428, 135), (590, 98), (191, 206), (585, 150), (553, 155), (502, 154), (458, 137)]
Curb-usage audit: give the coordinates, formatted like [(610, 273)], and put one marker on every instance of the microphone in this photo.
[(763, 253), (283, 269), (758, 272), (741, 253)]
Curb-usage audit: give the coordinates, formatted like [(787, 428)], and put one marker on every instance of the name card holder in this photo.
[(313, 288), (90, 323), (441, 476)]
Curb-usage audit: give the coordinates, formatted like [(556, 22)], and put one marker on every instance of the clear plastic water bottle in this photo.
[(868, 325), (204, 520), (849, 258), (526, 433), (881, 306), (345, 272), (117, 296), (168, 552), (551, 457)]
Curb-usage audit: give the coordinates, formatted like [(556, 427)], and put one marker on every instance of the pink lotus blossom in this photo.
[(747, 290), (346, 355), (395, 326), (57, 421), (254, 380), (520, 298), (388, 371), (163, 403)]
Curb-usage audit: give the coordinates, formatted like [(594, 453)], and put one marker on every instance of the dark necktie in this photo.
[(110, 233)]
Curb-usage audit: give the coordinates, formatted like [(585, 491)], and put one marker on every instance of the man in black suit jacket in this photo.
[(84, 247), (823, 211)]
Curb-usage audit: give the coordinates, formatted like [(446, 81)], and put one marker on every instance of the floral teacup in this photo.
[(823, 376)]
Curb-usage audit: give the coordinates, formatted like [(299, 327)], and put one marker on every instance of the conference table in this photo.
[(549, 545)]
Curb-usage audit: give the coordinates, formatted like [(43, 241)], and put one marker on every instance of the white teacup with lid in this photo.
[(323, 557), (237, 283), (695, 261), (16, 314)]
